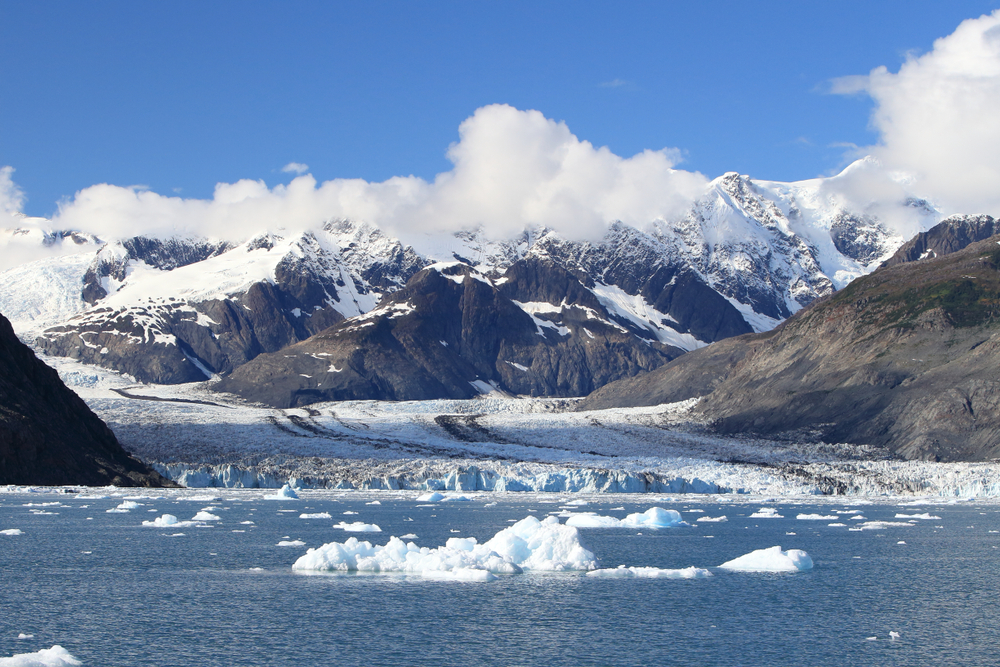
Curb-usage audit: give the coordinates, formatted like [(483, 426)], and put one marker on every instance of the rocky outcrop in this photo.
[(948, 236), (907, 357), (48, 435), (454, 333)]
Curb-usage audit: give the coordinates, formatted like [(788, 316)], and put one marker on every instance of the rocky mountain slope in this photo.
[(455, 333), (906, 357), (48, 435), (168, 310)]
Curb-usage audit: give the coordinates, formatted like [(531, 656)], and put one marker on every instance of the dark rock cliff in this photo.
[(48, 435)]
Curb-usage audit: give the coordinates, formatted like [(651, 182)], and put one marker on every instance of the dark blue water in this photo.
[(115, 593)]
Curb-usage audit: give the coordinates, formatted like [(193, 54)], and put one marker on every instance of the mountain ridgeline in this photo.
[(907, 357)]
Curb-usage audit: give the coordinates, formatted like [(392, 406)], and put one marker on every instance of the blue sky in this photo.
[(180, 96)]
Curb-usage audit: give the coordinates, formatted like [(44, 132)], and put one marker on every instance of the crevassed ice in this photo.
[(654, 517), (772, 559), (529, 544), (56, 656)]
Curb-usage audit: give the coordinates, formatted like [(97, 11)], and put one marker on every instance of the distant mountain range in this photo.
[(346, 311)]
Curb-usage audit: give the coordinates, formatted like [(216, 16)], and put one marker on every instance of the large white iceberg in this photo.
[(772, 559), (650, 573), (529, 544), (56, 656), (654, 517), (284, 493), (358, 527)]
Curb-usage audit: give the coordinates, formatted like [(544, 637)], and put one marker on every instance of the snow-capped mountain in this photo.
[(745, 256)]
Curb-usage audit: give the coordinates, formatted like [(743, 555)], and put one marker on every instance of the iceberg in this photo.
[(712, 519), (766, 513), (650, 573), (206, 516), (123, 507), (529, 544), (168, 520), (817, 517), (317, 515), (358, 527), (284, 493), (772, 559), (436, 497), (925, 516), (291, 543), (11, 531), (654, 517), (56, 656)]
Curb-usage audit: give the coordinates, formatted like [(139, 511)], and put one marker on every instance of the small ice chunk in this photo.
[(430, 497), (358, 527), (11, 531), (374, 502), (21, 635), (772, 559), (650, 573), (291, 543), (408, 536), (123, 507), (285, 493), (879, 525), (837, 525), (349, 512), (654, 517), (901, 542), (766, 513), (317, 515), (56, 656), (859, 517), (206, 516), (162, 521), (711, 519), (925, 516), (817, 517)]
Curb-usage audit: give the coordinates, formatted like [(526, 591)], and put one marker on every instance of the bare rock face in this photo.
[(48, 435), (906, 357), (454, 333), (948, 236)]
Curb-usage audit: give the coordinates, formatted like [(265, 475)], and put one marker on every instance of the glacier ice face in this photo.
[(529, 544), (772, 559)]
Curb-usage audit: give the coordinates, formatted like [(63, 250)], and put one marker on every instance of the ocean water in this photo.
[(113, 592)]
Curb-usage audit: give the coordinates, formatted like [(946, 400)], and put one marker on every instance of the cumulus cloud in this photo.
[(512, 169), (11, 198), (938, 117), (295, 168)]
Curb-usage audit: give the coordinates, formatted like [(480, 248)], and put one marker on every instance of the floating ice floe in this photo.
[(284, 493), (766, 513), (529, 544), (654, 517), (11, 531), (836, 525), (358, 527), (711, 519), (206, 516), (772, 559), (650, 573), (436, 497), (878, 525), (123, 507), (56, 656), (22, 635), (317, 515), (817, 517), (291, 543), (168, 520), (925, 516)]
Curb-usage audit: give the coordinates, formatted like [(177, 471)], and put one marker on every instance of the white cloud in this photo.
[(511, 169), (295, 168), (939, 117), (11, 198)]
